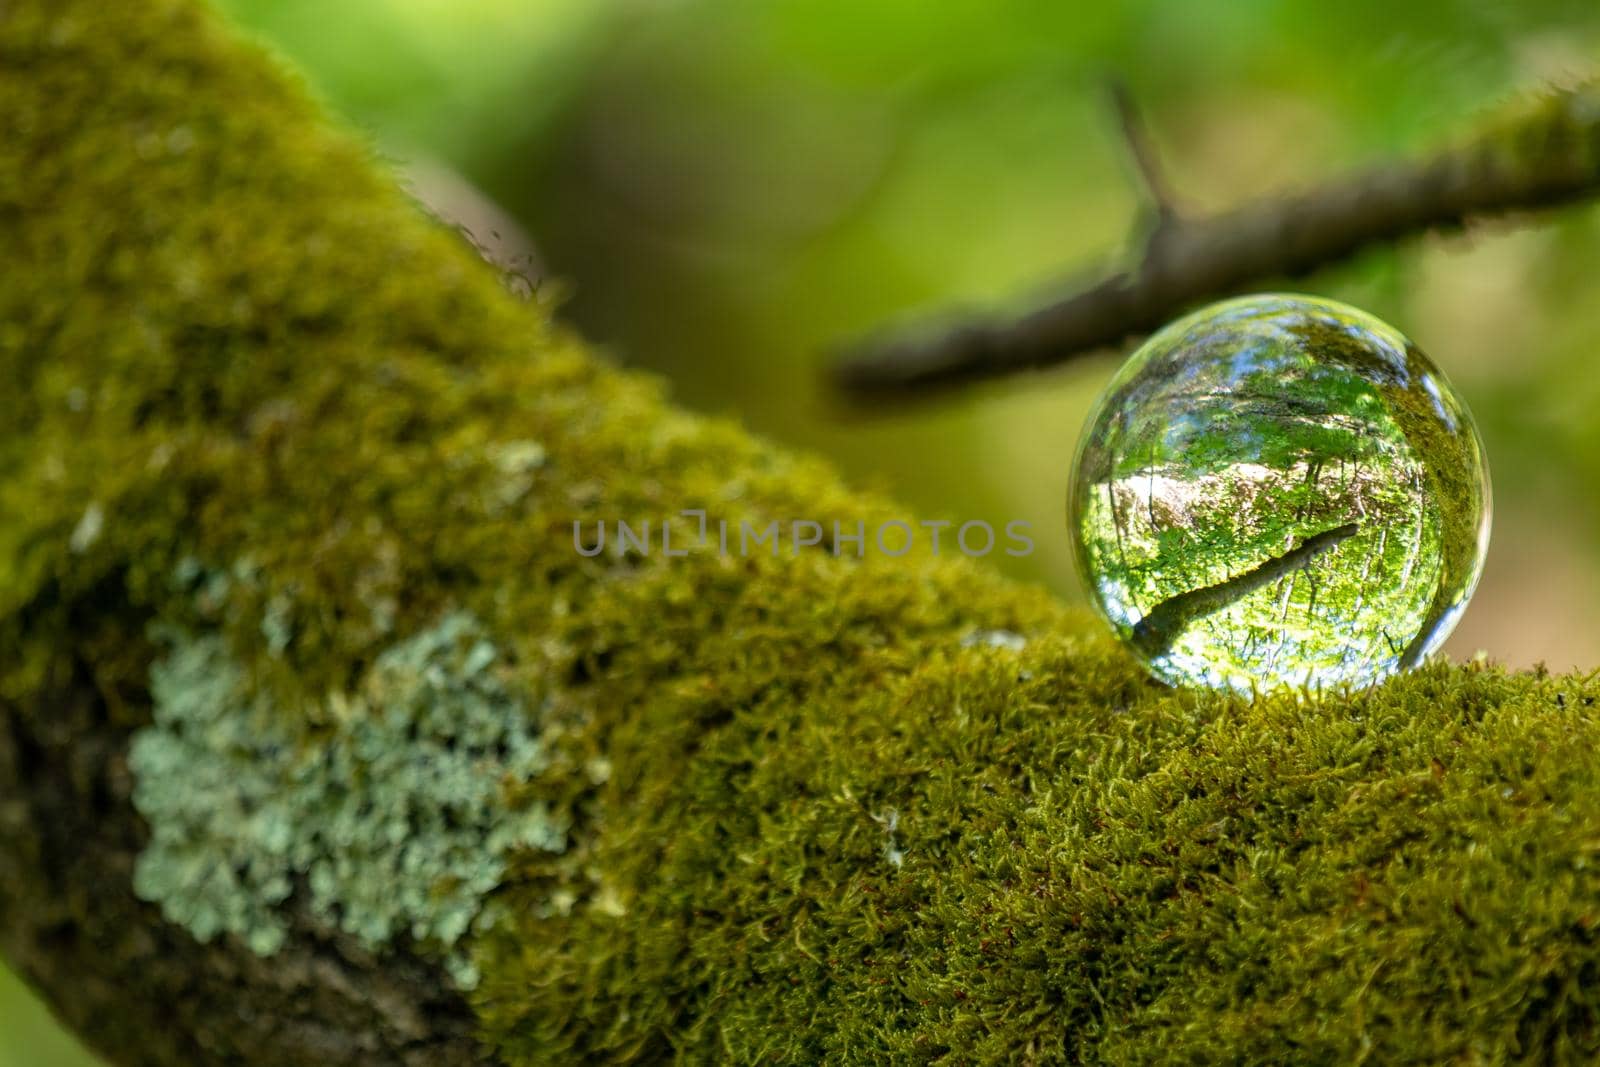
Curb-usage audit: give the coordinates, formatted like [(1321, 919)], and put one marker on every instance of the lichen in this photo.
[(398, 821)]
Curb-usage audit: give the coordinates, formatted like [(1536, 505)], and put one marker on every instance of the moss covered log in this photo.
[(322, 741)]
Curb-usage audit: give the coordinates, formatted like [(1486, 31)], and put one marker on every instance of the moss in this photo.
[(815, 809), (1084, 868)]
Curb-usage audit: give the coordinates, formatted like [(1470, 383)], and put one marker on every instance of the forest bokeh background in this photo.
[(723, 190)]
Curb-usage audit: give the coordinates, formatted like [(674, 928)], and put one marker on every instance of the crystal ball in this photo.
[(1279, 490)]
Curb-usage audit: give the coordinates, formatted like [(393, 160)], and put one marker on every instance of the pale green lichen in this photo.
[(398, 822)]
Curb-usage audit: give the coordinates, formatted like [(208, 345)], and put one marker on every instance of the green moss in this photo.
[(1036, 855), (814, 808)]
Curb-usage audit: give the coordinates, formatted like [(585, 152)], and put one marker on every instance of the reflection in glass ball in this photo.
[(1280, 490)]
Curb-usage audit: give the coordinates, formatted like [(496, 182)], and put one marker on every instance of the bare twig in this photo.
[(1142, 152), (1533, 156)]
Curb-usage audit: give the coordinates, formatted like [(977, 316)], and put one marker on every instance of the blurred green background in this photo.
[(727, 188)]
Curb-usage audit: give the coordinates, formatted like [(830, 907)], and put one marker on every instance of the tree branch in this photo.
[(264, 427), (1165, 622), (1142, 153), (1531, 157)]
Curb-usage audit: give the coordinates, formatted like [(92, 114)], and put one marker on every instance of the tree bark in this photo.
[(141, 991)]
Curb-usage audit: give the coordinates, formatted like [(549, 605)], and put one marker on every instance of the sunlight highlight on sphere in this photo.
[(1279, 490)]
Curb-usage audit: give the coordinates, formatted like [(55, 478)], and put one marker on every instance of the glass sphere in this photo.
[(1279, 490)]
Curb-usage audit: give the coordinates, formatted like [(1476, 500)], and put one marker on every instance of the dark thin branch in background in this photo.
[(1537, 155), (1142, 151)]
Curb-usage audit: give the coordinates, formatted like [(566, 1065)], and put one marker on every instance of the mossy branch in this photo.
[(1535, 155), (320, 743), (1165, 622)]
